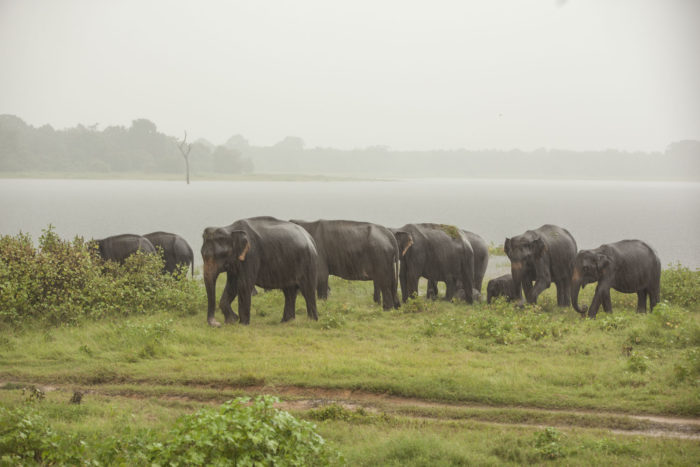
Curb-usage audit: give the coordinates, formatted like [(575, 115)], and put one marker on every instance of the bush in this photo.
[(237, 433), (61, 282), (681, 286), (242, 434)]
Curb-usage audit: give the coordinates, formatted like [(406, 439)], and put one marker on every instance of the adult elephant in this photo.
[(440, 253), (627, 266), (542, 256), (119, 247), (176, 250), (262, 251), (481, 262), (357, 251)]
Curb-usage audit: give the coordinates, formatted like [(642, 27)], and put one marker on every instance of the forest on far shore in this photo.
[(141, 148)]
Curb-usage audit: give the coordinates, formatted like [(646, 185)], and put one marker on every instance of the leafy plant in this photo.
[(62, 282), (239, 433), (548, 443), (681, 286)]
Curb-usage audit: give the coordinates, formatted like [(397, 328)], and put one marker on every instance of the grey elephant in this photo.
[(438, 252), (176, 250), (356, 251), (542, 256), (628, 266), (481, 262), (119, 247), (262, 251), (501, 286)]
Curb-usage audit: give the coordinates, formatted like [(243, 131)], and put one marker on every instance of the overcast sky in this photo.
[(577, 74)]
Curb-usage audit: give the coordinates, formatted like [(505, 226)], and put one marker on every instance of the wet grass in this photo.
[(492, 368)]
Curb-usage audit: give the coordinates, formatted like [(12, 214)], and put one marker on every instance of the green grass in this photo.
[(540, 356), (439, 383)]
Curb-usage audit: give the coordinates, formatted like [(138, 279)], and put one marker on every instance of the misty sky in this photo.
[(577, 74)]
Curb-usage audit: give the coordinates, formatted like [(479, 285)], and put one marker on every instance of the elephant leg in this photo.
[(607, 302), (597, 299), (563, 293), (377, 295), (642, 301), (432, 290), (387, 297), (653, 297), (450, 288), (527, 289), (307, 291), (323, 288), (244, 306), (411, 289), (227, 298), (290, 298)]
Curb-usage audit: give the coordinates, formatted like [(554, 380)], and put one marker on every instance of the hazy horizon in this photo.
[(475, 75)]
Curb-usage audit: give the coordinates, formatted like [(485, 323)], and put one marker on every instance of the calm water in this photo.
[(666, 215)]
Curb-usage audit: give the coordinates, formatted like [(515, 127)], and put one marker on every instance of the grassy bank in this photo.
[(433, 382)]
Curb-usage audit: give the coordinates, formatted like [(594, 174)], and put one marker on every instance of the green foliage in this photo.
[(637, 362), (239, 433), (61, 282), (667, 326), (450, 230), (681, 286), (496, 250), (548, 443), (25, 437), (116, 149)]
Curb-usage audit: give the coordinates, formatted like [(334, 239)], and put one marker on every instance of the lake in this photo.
[(664, 214)]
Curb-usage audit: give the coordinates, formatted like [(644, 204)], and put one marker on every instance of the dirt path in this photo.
[(304, 399)]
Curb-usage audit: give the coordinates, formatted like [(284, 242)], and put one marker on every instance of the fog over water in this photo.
[(595, 212)]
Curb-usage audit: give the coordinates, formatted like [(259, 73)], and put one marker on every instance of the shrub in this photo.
[(681, 286), (242, 434), (61, 282), (24, 437), (237, 433), (548, 443)]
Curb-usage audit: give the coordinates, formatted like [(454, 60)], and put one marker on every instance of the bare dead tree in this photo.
[(185, 151)]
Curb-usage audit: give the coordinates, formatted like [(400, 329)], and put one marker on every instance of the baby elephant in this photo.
[(627, 266), (502, 286)]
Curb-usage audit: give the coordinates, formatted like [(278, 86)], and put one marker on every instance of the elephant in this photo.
[(262, 251), (119, 247), (176, 250), (627, 266), (542, 256), (356, 251), (481, 262), (501, 286), (438, 253)]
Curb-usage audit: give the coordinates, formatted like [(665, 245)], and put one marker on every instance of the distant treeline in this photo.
[(141, 148)]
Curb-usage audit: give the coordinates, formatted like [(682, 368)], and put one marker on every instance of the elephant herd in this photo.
[(299, 256), (175, 249)]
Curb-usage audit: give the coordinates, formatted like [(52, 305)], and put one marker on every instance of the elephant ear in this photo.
[(538, 247), (506, 246), (404, 240), (603, 262), (241, 244)]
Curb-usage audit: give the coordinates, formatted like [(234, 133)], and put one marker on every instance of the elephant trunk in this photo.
[(517, 271), (576, 284), (211, 273)]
